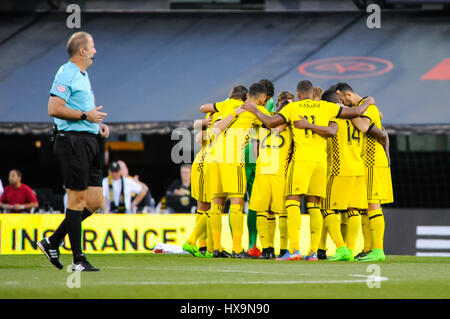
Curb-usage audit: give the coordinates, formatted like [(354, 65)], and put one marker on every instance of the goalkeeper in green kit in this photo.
[(250, 167)]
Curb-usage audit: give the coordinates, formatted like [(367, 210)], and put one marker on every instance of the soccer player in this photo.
[(78, 121), (228, 110), (307, 169), (377, 170), (269, 187), (227, 170), (200, 189), (346, 189), (250, 169)]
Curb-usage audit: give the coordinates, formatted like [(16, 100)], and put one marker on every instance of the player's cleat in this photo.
[(201, 252), (342, 254), (242, 255), (208, 254), (265, 254), (321, 254), (361, 255), (350, 257), (192, 249), (254, 252), (81, 264), (272, 252), (221, 254), (291, 256), (50, 252), (374, 256), (282, 252), (311, 257)]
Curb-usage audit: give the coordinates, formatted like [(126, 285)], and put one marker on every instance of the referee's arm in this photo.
[(57, 108)]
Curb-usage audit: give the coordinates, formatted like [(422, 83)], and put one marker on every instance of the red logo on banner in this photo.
[(347, 67), (439, 72)]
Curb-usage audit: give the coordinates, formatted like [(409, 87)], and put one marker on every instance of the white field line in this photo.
[(245, 282)]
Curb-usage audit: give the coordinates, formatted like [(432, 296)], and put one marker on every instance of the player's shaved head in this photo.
[(305, 86), (257, 89), (269, 87), (330, 96), (346, 94), (77, 41), (239, 93), (343, 87)]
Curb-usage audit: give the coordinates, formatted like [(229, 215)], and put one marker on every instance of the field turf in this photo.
[(183, 276)]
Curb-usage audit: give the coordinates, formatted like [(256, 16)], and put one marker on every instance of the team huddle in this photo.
[(328, 146)]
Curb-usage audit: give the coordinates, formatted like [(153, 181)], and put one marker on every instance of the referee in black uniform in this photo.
[(77, 148)]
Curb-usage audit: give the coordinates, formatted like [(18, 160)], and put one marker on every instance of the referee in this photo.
[(77, 148)]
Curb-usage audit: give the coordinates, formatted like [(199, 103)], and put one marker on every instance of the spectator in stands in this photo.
[(117, 191), (17, 196), (178, 195), (147, 201)]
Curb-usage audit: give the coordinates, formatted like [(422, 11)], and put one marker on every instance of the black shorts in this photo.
[(79, 157)]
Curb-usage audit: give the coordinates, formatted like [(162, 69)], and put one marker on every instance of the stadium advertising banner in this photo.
[(120, 233)]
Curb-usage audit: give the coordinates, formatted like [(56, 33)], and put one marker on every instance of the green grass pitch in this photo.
[(157, 276)]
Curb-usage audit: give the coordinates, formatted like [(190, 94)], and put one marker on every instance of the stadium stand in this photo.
[(166, 64)]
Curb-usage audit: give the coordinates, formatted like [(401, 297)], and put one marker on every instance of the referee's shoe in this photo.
[(50, 252), (80, 263)]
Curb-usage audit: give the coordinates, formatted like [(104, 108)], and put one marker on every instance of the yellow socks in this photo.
[(216, 225), (294, 221), (377, 225), (283, 229), (331, 221), (237, 225), (315, 222), (271, 228), (262, 227), (344, 220), (367, 233), (192, 240), (353, 226), (323, 236), (209, 237)]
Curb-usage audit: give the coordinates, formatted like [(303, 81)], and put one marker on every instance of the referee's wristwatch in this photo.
[(83, 116)]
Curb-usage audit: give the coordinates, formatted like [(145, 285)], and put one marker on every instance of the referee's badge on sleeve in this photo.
[(61, 88)]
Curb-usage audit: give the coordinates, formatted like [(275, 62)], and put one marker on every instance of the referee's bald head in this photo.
[(77, 41)]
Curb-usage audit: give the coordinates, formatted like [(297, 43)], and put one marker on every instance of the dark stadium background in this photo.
[(158, 61)]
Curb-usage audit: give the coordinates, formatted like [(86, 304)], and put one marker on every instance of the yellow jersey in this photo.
[(230, 145), (373, 152), (274, 152), (309, 146), (205, 153), (344, 150)]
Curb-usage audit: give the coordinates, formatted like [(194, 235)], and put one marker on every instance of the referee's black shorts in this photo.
[(79, 157)]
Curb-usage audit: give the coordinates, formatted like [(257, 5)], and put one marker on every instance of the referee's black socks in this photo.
[(73, 227), (61, 231)]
